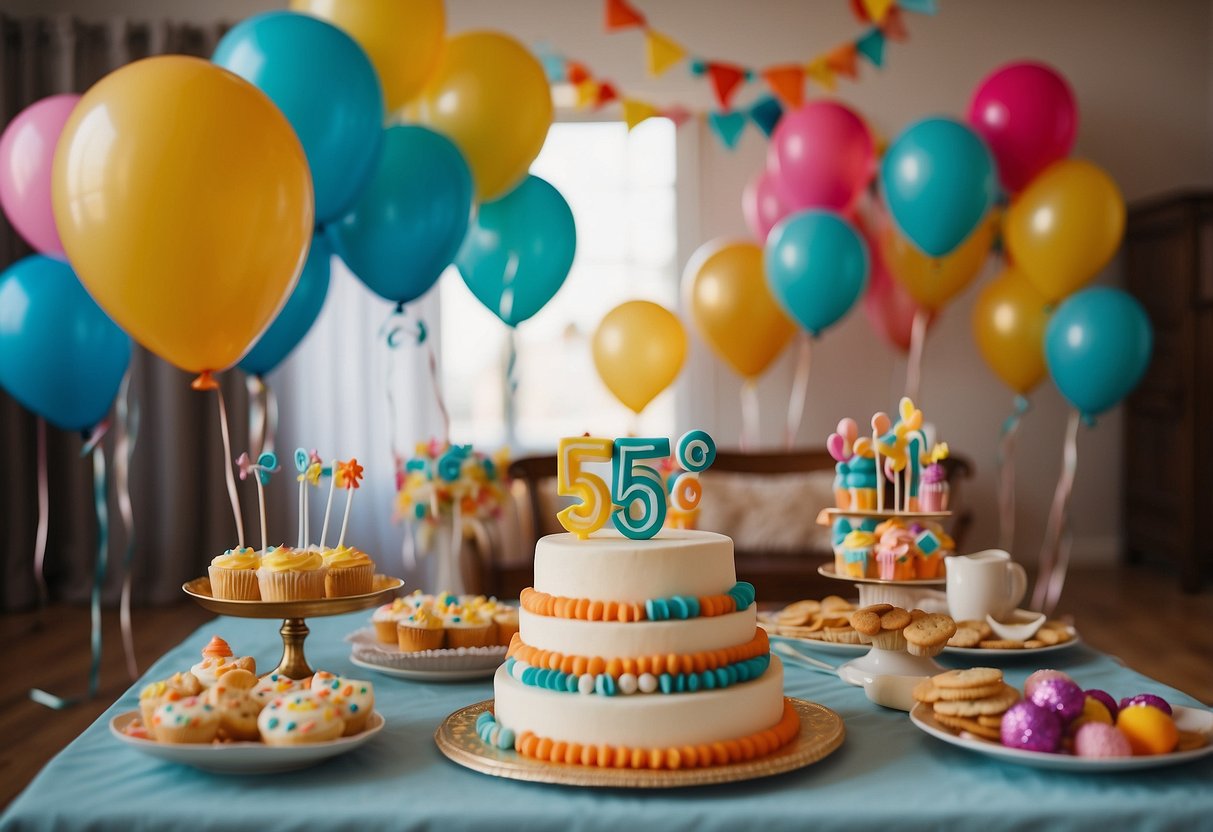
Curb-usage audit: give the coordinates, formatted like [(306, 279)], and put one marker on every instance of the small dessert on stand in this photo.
[(892, 550), (294, 583)]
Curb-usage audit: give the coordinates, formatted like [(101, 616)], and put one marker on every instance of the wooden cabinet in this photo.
[(1168, 452)]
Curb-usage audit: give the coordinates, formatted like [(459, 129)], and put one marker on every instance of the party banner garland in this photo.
[(786, 81)]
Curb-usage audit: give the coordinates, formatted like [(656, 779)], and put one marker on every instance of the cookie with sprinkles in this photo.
[(354, 698), (300, 718)]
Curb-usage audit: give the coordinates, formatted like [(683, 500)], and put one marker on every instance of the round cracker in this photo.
[(968, 678), (959, 694), (965, 637), (989, 706)]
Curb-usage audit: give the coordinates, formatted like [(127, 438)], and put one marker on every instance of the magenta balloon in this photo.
[(1026, 113), (821, 156), (27, 149), (762, 205)]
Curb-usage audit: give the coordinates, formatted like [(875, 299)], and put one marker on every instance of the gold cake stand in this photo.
[(293, 614), (821, 733)]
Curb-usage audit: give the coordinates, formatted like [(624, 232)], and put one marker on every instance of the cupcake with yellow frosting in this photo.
[(350, 572), (422, 630), (234, 575), (288, 574), (386, 617), (467, 627)]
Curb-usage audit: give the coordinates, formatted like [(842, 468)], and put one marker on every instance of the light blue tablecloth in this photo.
[(887, 775)]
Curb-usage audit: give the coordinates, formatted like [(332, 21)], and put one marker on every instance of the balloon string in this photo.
[(1006, 474), (256, 414), (455, 581), (1054, 556), (271, 418), (126, 435), (800, 389), (436, 380), (749, 415), (100, 496), (511, 387), (232, 494), (43, 518), (918, 337)]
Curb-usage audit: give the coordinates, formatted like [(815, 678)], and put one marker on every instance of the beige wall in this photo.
[(1142, 71)]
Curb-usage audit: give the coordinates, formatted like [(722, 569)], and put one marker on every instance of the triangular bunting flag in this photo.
[(635, 111), (606, 94), (575, 72), (621, 15), (894, 26), (678, 114), (842, 61), (877, 9), (728, 127), (725, 80), (587, 93), (871, 46), (787, 82), (766, 112), (663, 52), (919, 6), (821, 73), (553, 63)]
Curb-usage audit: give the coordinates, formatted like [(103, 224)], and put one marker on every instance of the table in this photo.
[(887, 775)]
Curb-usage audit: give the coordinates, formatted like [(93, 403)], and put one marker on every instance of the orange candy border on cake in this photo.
[(583, 609), (655, 664)]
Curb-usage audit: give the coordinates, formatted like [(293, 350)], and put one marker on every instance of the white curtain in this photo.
[(333, 396)]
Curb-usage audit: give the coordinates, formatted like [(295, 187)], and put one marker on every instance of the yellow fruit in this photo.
[(1092, 711), (1149, 730)]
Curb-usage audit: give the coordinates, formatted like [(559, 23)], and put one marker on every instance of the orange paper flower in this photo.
[(349, 474)]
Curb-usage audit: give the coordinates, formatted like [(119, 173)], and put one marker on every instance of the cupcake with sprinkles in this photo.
[(299, 719), (189, 720), (467, 627), (422, 630), (355, 699)]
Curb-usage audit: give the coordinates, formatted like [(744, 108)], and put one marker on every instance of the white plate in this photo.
[(828, 646), (244, 757), (990, 652), (1188, 719), (826, 570), (427, 675)]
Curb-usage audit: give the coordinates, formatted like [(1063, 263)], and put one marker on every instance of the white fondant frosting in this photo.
[(610, 639), (611, 567), (654, 721)]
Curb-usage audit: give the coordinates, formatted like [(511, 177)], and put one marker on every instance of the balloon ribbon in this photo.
[(918, 337), (394, 331), (800, 389), (126, 434), (511, 387), (1055, 553), (232, 494), (262, 415), (1006, 474), (100, 497), (749, 414), (43, 517)]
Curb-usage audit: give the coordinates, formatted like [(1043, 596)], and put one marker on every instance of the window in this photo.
[(621, 187)]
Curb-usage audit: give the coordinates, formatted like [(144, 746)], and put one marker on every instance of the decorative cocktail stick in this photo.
[(328, 506), (880, 425), (350, 474), (301, 464), (266, 465)]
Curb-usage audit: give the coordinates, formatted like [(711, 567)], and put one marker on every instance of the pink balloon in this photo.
[(1026, 113), (762, 205), (821, 156), (887, 305), (27, 150)]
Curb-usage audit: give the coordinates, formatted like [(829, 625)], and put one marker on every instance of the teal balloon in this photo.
[(1097, 346), (60, 355), (407, 225), (816, 266), (939, 181), (297, 316), (326, 87), (519, 250)]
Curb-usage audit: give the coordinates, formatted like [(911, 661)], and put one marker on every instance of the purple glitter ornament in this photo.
[(1104, 698), (1061, 696), (1146, 699), (1039, 676), (1031, 728)]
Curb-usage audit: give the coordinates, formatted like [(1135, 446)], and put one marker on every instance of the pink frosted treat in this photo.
[(1096, 739), (933, 488)]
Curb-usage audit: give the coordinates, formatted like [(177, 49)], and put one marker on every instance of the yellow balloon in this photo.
[(933, 281), (1065, 226), (491, 98), (638, 350), (1009, 322), (403, 38), (184, 202), (733, 308)]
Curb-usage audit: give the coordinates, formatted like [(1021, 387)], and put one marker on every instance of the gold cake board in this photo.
[(821, 733)]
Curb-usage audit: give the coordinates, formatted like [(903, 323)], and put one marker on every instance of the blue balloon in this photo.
[(326, 87), (939, 181), (297, 316), (60, 356), (1097, 345), (519, 250), (817, 267), (407, 225)]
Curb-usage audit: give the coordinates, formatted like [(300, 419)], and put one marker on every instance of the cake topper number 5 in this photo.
[(636, 500)]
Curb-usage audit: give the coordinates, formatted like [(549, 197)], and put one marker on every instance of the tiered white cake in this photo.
[(639, 653)]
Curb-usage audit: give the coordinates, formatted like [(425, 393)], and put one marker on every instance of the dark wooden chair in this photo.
[(777, 574)]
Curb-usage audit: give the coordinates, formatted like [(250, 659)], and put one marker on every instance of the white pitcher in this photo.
[(984, 583)]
